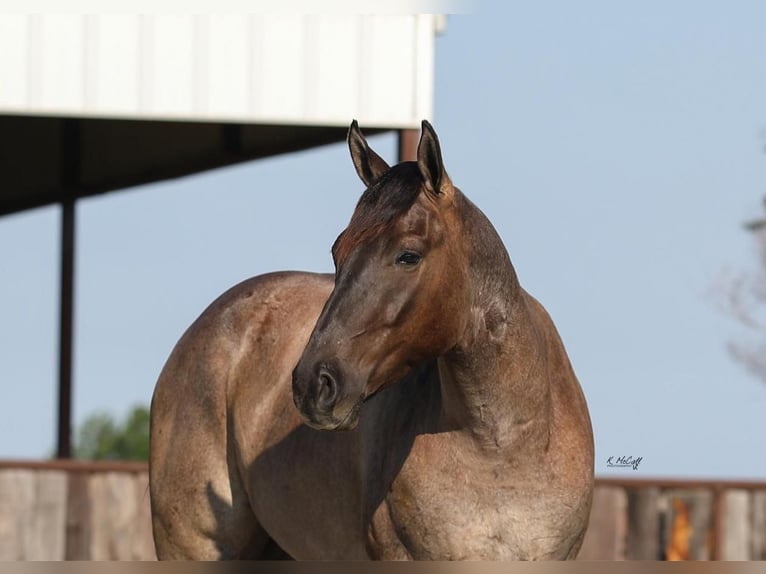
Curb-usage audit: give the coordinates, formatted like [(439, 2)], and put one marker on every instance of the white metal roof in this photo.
[(262, 68)]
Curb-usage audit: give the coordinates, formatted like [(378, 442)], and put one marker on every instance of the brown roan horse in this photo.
[(417, 404)]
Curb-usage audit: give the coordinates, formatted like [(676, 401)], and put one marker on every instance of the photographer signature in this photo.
[(624, 462)]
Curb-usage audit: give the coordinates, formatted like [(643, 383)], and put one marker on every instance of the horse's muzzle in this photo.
[(319, 395)]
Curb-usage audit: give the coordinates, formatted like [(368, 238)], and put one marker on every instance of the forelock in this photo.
[(388, 198)]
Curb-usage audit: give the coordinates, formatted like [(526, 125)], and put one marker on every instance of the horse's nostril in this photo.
[(327, 392)]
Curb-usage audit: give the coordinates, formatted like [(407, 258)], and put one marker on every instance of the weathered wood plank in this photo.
[(758, 526), (120, 517), (113, 507), (49, 523), (736, 525), (32, 515), (643, 535), (143, 541), (78, 526), (606, 535), (17, 492)]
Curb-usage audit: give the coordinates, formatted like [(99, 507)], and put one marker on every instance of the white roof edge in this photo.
[(260, 69)]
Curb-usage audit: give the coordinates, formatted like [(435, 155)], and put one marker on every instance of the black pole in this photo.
[(64, 449), (70, 179)]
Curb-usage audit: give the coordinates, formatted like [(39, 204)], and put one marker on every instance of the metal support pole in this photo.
[(64, 449), (408, 145)]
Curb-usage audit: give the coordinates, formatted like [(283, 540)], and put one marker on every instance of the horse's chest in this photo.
[(453, 508)]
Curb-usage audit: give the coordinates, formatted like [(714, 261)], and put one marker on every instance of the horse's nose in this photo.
[(321, 396), (327, 390), (316, 389)]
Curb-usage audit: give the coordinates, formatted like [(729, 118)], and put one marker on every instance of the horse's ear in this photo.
[(430, 161), (369, 165)]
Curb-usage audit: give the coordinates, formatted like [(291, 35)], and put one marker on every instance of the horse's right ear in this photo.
[(369, 165)]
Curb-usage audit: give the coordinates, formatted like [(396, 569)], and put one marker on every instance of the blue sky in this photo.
[(617, 149)]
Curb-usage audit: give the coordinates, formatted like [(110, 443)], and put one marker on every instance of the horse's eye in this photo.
[(408, 258)]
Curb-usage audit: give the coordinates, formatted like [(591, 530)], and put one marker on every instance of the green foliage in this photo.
[(100, 438)]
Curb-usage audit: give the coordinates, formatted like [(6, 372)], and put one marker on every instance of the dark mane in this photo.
[(383, 202)]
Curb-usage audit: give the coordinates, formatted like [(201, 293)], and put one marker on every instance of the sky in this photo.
[(617, 148)]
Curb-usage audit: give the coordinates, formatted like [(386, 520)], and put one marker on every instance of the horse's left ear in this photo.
[(430, 161)]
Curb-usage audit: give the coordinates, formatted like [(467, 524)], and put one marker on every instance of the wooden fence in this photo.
[(656, 519), (69, 510)]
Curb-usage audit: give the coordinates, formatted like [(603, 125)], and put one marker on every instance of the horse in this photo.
[(416, 404)]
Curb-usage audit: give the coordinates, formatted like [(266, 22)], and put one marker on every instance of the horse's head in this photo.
[(399, 285)]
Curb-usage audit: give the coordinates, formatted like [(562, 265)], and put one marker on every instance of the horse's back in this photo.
[(250, 336)]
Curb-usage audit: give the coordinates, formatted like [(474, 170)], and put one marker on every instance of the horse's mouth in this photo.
[(351, 420), (330, 423)]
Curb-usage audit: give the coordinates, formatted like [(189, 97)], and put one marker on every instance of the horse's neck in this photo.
[(493, 383), (496, 388)]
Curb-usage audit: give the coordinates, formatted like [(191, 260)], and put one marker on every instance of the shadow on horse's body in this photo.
[(467, 435)]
